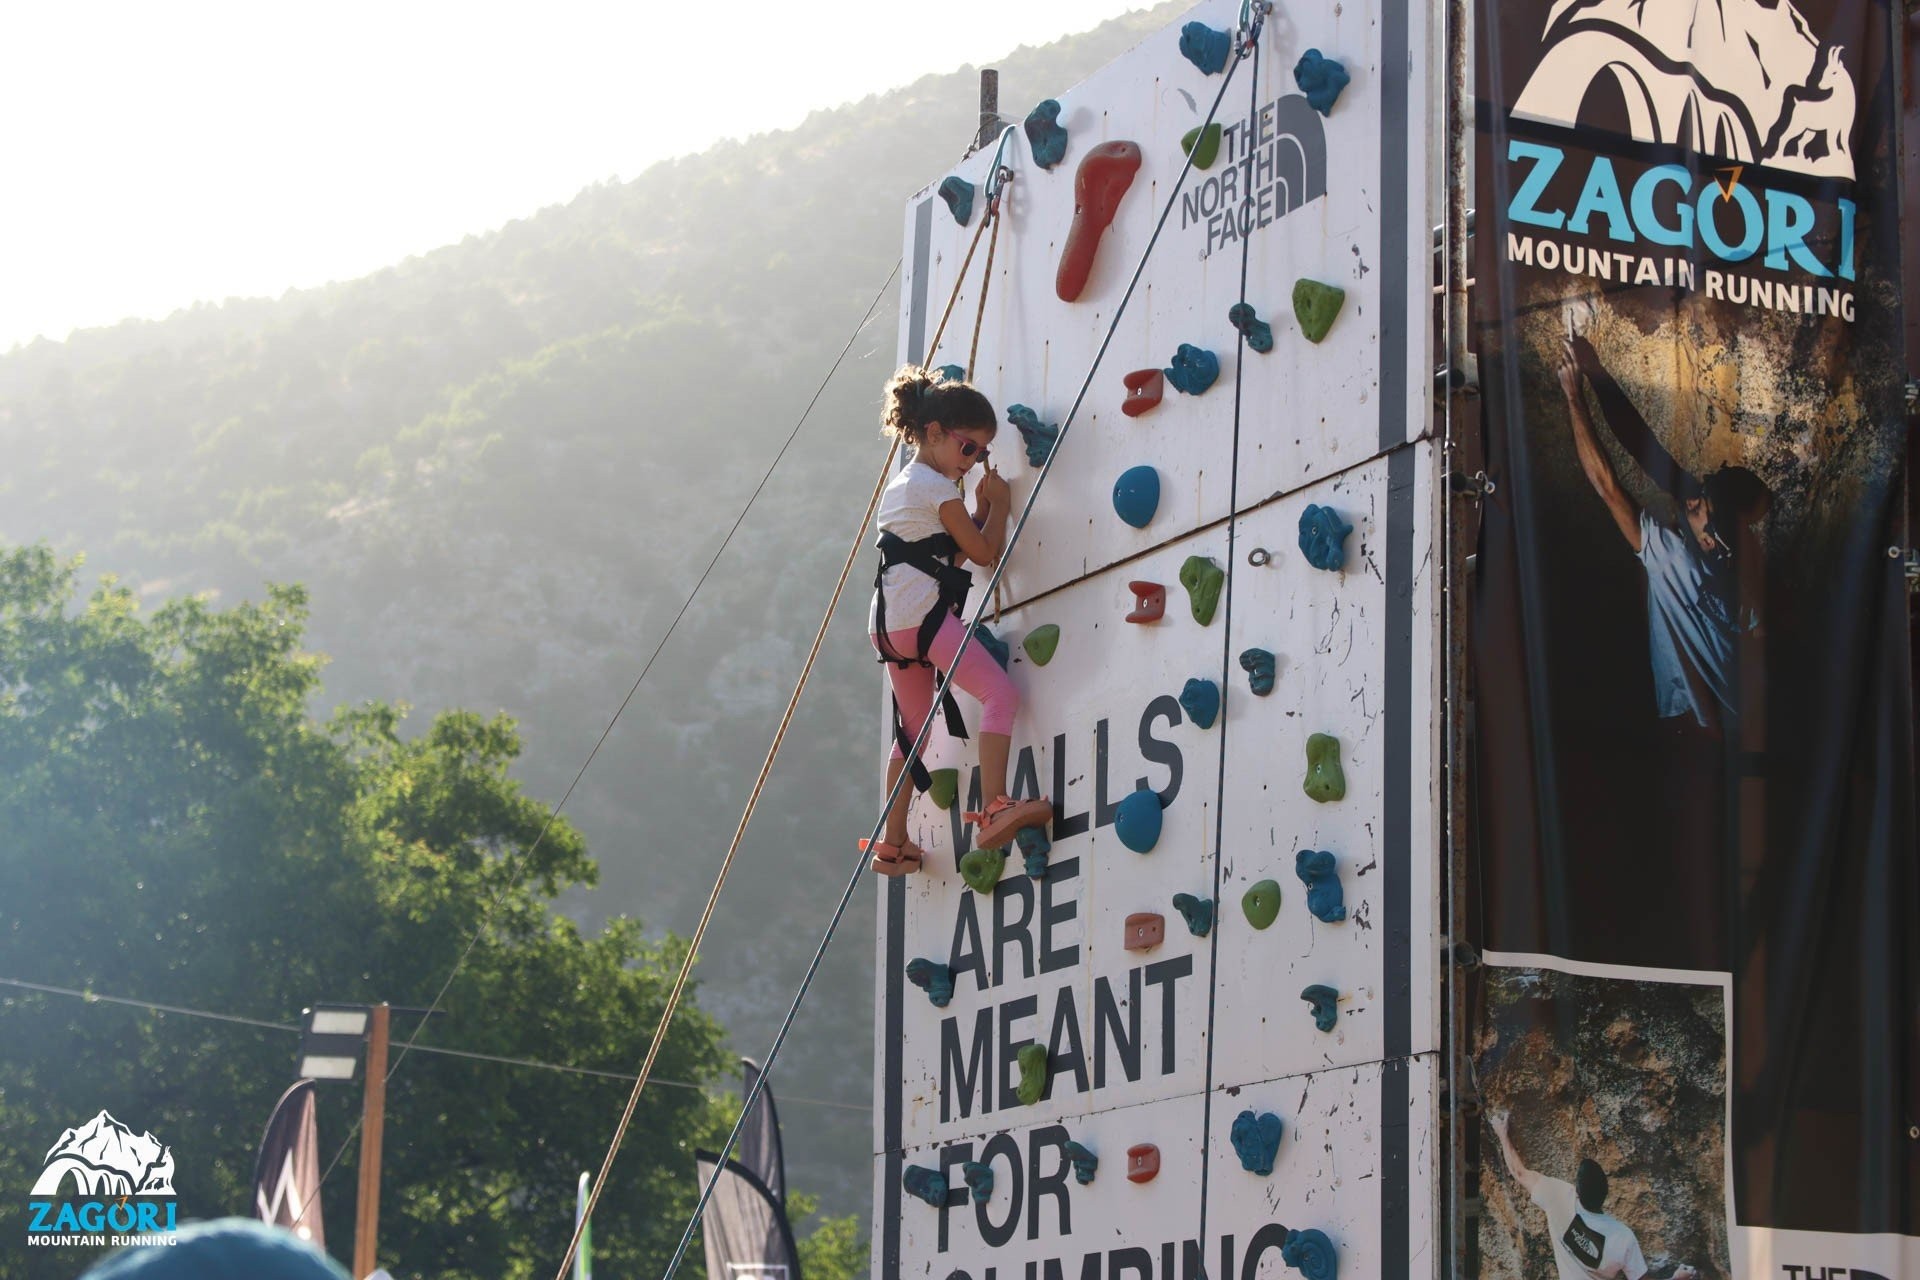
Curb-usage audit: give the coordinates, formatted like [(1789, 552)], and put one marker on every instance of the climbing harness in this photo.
[(933, 556)]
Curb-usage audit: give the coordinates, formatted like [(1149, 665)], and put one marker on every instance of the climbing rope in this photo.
[(766, 768), (926, 726)]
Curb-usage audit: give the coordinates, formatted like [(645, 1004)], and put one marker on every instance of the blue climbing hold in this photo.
[(1194, 369), (925, 1184), (1137, 820), (1258, 333), (1136, 495), (1321, 79), (1325, 1003), (1038, 437), (1311, 1254), (1323, 537), (1046, 136), (979, 1179), (958, 193), (1034, 847), (933, 978), (1002, 651), (1205, 47), (1197, 912), (1318, 870), (1259, 665), (1084, 1163), (1201, 698), (1256, 1140), (951, 373)]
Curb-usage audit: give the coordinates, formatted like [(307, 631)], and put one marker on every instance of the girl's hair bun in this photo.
[(916, 396)]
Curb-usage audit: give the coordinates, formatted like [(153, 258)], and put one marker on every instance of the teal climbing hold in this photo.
[(1326, 781), (1256, 1140), (1205, 47), (979, 1179), (981, 868), (1202, 144), (1320, 872), (1136, 820), (1197, 912), (1315, 306), (1046, 136), (1261, 903), (951, 373), (1084, 1162), (1324, 1001), (1136, 495), (1203, 579), (1259, 666), (1034, 848), (1002, 651), (933, 978), (1033, 1073), (1323, 537), (925, 1184), (1041, 642), (958, 193), (1321, 78), (1038, 437), (1201, 698), (946, 787), (1311, 1254), (1257, 332), (1194, 369)]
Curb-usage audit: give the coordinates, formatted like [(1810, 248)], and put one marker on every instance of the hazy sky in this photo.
[(161, 153)]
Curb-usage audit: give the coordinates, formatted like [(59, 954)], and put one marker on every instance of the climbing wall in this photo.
[(1226, 954)]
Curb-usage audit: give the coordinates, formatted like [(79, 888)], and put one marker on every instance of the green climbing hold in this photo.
[(1041, 642), (1325, 779), (1203, 145), (1203, 579), (1262, 903), (1033, 1073), (946, 787), (1315, 306), (981, 868)]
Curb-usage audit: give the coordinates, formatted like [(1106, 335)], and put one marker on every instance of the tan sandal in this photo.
[(1004, 816), (893, 859)]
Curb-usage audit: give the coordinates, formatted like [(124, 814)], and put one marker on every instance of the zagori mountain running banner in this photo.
[(1696, 1038)]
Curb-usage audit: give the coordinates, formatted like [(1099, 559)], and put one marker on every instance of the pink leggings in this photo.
[(978, 675)]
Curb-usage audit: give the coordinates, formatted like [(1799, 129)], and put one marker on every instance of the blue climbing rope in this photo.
[(1013, 537)]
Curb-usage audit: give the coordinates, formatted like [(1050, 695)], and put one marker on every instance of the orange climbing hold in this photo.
[(1104, 176), (1143, 1162), (1145, 389), (1145, 931), (1149, 602)]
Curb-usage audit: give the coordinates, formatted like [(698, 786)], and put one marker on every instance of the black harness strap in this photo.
[(932, 556)]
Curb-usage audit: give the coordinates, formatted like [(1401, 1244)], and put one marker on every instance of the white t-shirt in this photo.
[(1587, 1245), (910, 509)]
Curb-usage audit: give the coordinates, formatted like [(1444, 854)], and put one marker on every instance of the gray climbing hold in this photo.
[(1194, 369), (1041, 642), (1321, 78), (1002, 651), (1197, 912), (958, 193), (1325, 1003), (933, 978), (1256, 1140), (979, 1179), (1136, 495), (1323, 537), (1084, 1163), (1319, 871), (1205, 47), (1316, 306), (1261, 903), (1311, 1254), (1326, 781), (1046, 136), (1201, 698), (1034, 848), (925, 1184), (1034, 1072), (1137, 820), (1259, 666), (1038, 437), (1257, 332)]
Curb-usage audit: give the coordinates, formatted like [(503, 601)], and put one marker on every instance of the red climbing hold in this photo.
[(1143, 1162), (1145, 387), (1149, 601), (1104, 176), (1145, 931)]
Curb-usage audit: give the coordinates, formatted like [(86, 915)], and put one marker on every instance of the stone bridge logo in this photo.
[(101, 1184)]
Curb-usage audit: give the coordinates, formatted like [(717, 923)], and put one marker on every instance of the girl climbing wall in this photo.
[(921, 590)]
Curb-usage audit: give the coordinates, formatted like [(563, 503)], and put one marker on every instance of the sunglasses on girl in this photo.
[(968, 448)]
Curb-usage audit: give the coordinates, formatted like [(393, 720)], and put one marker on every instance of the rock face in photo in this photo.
[(1629, 1074)]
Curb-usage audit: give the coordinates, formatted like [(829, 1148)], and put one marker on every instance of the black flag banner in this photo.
[(759, 1146), (1696, 1039), (744, 1228), (286, 1174)]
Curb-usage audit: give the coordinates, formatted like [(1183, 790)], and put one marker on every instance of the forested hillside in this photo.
[(497, 469)]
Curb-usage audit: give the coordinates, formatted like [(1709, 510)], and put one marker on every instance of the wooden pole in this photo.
[(989, 108), (373, 1115)]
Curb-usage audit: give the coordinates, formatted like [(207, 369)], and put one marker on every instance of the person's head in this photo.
[(1727, 502), (949, 424), (1590, 1185)]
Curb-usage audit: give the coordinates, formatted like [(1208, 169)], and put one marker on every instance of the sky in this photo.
[(161, 154)]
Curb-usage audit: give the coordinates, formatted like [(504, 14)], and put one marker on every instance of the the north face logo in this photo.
[(1744, 79)]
